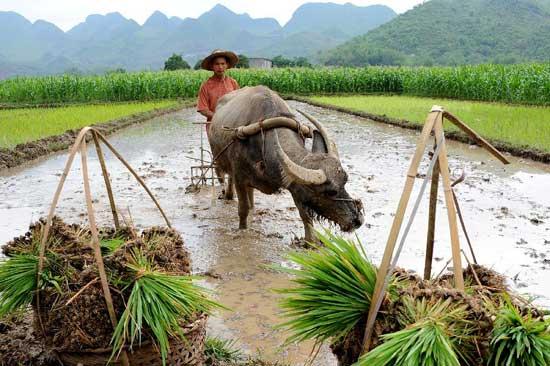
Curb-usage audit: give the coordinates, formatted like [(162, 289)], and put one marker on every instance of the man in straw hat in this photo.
[(218, 84)]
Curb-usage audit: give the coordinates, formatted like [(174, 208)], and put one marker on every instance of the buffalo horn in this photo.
[(297, 173), (331, 146)]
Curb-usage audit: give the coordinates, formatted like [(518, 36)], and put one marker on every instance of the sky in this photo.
[(68, 13)]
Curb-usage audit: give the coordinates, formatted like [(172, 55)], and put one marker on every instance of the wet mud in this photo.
[(506, 209)]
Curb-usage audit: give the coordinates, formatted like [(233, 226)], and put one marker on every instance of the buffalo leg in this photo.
[(229, 189), (308, 223), (250, 197), (244, 206)]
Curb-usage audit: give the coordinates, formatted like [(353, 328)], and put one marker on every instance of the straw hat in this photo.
[(231, 58)]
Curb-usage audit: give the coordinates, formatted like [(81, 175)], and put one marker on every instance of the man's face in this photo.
[(219, 65)]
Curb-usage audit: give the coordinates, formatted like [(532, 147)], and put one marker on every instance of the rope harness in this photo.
[(239, 134)]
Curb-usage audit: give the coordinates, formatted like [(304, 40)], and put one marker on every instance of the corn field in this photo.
[(522, 84)]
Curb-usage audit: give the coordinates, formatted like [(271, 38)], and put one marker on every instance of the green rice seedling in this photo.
[(108, 246), (434, 337), (28, 124), (217, 350), (158, 301), (512, 125), (333, 290), (18, 276), (519, 340)]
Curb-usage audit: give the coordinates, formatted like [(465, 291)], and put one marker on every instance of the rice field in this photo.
[(520, 84), (29, 124), (521, 126)]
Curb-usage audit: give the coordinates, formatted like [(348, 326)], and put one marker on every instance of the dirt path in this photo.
[(507, 210)]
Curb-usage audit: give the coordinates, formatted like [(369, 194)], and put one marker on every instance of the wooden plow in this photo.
[(439, 167), (200, 173)]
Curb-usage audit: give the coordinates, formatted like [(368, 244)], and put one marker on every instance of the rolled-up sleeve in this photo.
[(202, 103)]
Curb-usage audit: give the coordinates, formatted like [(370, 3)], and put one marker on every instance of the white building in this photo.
[(260, 63)]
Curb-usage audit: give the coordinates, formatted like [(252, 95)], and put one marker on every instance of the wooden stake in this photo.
[(451, 210), (396, 226), (106, 179), (431, 221)]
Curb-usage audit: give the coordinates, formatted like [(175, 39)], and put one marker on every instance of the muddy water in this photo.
[(507, 212)]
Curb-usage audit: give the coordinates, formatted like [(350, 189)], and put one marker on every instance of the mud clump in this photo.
[(20, 345), (72, 315)]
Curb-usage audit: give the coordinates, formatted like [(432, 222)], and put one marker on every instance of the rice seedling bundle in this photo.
[(528, 83), (419, 323), (153, 293)]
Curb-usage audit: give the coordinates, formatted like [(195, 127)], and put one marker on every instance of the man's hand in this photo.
[(207, 113)]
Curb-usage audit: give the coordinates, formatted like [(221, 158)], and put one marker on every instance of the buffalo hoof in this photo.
[(302, 243), (225, 196)]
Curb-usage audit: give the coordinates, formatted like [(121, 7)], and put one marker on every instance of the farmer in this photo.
[(218, 84)]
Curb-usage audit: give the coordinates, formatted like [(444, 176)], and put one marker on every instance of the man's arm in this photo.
[(207, 113), (202, 103)]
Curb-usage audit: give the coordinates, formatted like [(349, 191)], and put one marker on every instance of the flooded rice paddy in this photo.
[(506, 210)]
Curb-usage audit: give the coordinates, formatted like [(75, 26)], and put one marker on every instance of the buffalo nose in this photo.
[(357, 222)]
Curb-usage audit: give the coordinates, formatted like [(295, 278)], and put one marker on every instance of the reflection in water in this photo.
[(507, 212)]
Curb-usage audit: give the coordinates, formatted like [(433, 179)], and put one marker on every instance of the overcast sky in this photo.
[(68, 13)]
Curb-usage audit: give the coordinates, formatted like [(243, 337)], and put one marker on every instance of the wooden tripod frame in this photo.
[(434, 123), (81, 145)]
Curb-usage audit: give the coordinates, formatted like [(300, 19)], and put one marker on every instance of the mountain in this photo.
[(103, 42), (449, 32), (349, 19), (25, 42)]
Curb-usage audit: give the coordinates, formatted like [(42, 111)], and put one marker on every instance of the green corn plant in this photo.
[(519, 340), (525, 83), (333, 290), (158, 301)]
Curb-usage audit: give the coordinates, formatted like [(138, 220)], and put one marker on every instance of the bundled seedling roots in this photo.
[(478, 301), (73, 313)]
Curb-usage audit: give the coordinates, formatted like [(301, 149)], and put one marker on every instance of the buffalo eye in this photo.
[(331, 193)]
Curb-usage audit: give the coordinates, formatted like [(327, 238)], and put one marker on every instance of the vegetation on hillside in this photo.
[(451, 32)]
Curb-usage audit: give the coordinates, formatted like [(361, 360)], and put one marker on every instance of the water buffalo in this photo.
[(278, 159)]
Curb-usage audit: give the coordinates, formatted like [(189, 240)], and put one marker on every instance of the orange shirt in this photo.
[(212, 90)]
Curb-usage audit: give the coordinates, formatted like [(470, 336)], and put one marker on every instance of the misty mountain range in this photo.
[(111, 41)]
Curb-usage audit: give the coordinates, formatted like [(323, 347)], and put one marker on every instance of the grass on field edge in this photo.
[(522, 151), (8, 106), (24, 152)]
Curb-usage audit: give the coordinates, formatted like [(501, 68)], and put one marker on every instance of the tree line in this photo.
[(176, 62)]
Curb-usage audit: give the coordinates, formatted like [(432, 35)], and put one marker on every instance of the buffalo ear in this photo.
[(318, 145)]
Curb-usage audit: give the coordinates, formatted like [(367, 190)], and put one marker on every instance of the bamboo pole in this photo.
[(96, 246), (138, 178), (474, 135), (46, 229), (396, 225), (451, 210), (431, 221), (106, 179)]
